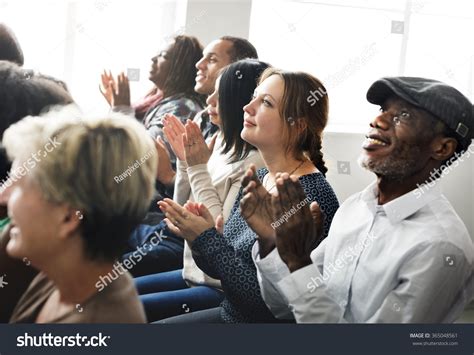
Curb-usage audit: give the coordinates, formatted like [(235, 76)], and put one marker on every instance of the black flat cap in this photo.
[(441, 100)]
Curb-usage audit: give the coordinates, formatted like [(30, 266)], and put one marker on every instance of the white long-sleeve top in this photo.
[(407, 261), (216, 185)]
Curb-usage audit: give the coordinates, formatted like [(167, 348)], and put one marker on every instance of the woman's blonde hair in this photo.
[(103, 167)]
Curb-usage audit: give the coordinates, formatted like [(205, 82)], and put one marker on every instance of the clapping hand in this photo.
[(107, 86), (174, 130), (184, 222), (298, 236), (165, 173), (195, 148), (116, 92), (256, 209)]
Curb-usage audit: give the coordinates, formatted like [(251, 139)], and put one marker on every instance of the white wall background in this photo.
[(211, 19), (350, 44)]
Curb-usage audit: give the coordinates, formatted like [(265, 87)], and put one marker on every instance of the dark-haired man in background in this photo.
[(217, 54)]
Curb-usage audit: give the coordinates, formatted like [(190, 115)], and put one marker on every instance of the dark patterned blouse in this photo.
[(229, 257)]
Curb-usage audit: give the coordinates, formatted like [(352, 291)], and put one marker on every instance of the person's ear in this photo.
[(70, 221), (300, 124), (443, 148)]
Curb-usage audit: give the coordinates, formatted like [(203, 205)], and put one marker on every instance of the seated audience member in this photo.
[(215, 56), (10, 49), (71, 220), (173, 72), (397, 252), (20, 96), (210, 176), (287, 131)]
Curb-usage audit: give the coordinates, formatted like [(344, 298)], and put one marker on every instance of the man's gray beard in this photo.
[(392, 168)]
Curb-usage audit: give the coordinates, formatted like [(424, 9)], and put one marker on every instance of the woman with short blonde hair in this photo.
[(71, 219)]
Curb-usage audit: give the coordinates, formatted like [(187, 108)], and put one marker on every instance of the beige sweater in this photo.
[(216, 185), (117, 303)]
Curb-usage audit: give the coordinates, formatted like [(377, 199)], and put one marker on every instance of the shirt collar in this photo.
[(405, 205)]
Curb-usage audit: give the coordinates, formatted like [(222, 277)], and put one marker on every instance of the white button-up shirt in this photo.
[(409, 260)]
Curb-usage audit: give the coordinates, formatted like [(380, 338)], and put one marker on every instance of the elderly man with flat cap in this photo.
[(392, 255)]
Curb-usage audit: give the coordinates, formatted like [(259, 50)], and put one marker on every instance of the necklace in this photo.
[(271, 188)]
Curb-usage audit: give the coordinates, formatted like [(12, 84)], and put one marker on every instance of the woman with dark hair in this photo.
[(233, 94), (173, 74), (287, 129), (212, 177)]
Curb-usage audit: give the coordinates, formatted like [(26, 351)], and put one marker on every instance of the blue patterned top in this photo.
[(229, 257)]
